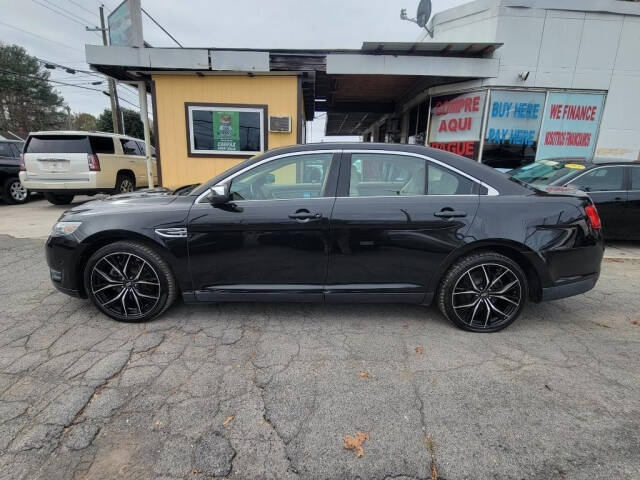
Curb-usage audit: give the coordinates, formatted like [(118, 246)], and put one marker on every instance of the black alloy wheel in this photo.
[(129, 282), (13, 192), (483, 292)]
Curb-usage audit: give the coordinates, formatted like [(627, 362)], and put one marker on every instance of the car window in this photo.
[(142, 148), (6, 150), (58, 144), (545, 172), (129, 147), (102, 145), (17, 148), (604, 179), (635, 178), (375, 174), (299, 176)]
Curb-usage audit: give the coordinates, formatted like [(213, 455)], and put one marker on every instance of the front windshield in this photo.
[(545, 172)]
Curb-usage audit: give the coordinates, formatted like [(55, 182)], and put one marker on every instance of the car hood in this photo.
[(143, 200)]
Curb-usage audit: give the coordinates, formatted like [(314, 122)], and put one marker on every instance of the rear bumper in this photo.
[(63, 183), (570, 289)]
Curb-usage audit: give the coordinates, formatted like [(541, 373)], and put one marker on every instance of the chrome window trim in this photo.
[(275, 157), (594, 169), (491, 191)]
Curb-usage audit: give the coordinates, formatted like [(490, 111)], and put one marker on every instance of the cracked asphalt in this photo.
[(270, 390)]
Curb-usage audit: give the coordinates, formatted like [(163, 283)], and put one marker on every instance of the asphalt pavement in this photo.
[(270, 391)]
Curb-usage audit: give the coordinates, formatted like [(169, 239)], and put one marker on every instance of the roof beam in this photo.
[(356, 107)]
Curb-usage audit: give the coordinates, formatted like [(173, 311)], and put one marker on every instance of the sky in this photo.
[(55, 30)]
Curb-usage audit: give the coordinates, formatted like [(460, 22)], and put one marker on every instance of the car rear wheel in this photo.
[(483, 292), (129, 282), (13, 192), (58, 199), (124, 184)]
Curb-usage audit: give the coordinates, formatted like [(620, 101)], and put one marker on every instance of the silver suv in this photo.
[(68, 163)]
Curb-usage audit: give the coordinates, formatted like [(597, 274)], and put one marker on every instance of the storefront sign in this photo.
[(226, 131), (456, 122), (125, 24), (570, 125), (514, 117)]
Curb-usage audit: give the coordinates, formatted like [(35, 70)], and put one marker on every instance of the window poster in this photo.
[(456, 122), (514, 118), (570, 125), (226, 131)]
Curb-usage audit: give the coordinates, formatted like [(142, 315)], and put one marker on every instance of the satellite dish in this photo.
[(424, 12), (422, 16)]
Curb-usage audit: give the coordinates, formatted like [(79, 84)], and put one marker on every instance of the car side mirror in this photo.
[(269, 178), (219, 195)]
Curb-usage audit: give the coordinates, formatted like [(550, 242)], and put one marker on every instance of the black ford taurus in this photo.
[(335, 223)]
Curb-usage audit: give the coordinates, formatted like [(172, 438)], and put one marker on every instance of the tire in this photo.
[(13, 192), (463, 296), (58, 199), (124, 184), (145, 278)]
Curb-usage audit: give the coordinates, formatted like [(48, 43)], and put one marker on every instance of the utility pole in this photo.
[(113, 93)]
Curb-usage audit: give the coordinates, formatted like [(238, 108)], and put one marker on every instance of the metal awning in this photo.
[(431, 48)]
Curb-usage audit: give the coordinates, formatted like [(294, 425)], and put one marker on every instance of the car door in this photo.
[(632, 210), (272, 238), (396, 218), (606, 187), (154, 168), (135, 160)]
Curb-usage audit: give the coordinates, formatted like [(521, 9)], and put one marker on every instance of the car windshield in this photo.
[(545, 172)]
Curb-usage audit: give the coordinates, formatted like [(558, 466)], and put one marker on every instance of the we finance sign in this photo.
[(570, 125)]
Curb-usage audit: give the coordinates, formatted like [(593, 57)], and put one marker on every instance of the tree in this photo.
[(132, 123), (84, 121), (28, 101)]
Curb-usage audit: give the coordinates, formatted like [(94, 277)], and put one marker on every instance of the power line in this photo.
[(61, 14), (83, 8), (71, 14), (161, 27), (47, 80), (40, 36)]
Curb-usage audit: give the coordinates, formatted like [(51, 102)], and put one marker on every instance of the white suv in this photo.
[(68, 163)]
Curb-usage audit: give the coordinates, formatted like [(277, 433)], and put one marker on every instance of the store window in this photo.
[(513, 128), (456, 122), (226, 130), (570, 125)]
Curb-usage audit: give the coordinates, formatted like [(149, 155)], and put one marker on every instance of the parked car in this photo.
[(612, 184), (414, 225), (11, 190), (64, 164)]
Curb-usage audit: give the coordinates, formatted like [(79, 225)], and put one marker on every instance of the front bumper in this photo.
[(63, 257)]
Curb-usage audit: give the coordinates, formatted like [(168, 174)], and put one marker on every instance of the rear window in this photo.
[(102, 145), (545, 172), (6, 150), (58, 144)]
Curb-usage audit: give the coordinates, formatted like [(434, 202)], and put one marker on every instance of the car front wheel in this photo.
[(129, 282), (483, 292), (13, 192)]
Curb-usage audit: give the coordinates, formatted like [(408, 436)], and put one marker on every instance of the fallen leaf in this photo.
[(158, 423), (406, 325), (420, 350), (603, 325), (355, 443), (252, 355), (364, 374), (634, 322), (228, 420)]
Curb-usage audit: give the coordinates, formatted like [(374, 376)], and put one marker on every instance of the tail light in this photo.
[(592, 215), (23, 167), (94, 163)]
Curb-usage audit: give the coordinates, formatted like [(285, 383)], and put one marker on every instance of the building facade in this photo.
[(567, 84)]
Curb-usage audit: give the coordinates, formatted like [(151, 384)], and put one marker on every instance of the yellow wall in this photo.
[(279, 93)]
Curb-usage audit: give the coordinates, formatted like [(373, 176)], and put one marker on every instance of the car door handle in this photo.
[(450, 214), (305, 216)]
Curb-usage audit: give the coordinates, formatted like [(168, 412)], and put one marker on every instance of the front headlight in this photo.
[(62, 229)]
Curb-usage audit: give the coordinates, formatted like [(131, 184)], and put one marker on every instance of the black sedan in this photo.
[(613, 185), (335, 223)]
